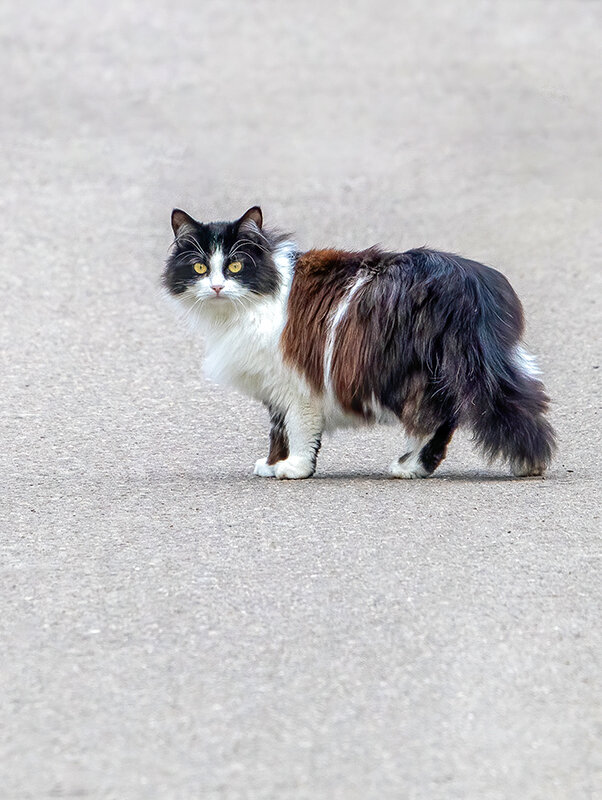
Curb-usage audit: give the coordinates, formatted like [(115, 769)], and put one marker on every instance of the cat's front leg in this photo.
[(303, 425), (265, 467)]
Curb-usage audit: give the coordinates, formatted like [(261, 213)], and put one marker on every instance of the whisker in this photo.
[(246, 254), (190, 239), (263, 249), (192, 308)]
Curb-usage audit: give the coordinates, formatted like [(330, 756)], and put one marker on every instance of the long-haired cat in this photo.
[(329, 338)]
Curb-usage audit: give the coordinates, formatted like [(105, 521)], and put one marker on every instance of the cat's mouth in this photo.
[(212, 296)]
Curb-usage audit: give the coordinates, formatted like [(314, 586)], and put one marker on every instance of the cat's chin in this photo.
[(221, 306)]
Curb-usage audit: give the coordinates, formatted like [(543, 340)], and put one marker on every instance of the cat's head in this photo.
[(222, 266)]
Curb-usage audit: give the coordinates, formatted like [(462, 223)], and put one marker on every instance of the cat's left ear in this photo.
[(251, 218)]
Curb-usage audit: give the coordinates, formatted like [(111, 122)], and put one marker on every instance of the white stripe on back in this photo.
[(336, 319)]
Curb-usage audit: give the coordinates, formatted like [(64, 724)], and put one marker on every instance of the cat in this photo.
[(329, 339)]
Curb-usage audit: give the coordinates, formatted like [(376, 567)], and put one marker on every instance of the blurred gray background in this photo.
[(171, 626)]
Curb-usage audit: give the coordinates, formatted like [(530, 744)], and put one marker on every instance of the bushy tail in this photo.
[(508, 415)]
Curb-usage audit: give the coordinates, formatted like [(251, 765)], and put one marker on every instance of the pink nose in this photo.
[(217, 289)]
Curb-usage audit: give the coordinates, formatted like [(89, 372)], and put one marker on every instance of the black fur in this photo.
[(278, 436), (433, 453)]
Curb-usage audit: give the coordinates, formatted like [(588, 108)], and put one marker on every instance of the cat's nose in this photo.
[(217, 289)]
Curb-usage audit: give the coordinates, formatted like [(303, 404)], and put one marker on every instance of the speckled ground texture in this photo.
[(170, 625)]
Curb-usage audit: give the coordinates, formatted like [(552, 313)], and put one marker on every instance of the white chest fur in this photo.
[(242, 349), (242, 344)]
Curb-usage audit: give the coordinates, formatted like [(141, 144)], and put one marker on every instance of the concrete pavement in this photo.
[(171, 626)]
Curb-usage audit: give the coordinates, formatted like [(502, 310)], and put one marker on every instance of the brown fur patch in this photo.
[(321, 279)]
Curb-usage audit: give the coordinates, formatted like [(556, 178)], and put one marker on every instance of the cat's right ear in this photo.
[(180, 221)]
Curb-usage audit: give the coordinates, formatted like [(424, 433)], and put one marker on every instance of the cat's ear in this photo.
[(180, 220), (251, 218)]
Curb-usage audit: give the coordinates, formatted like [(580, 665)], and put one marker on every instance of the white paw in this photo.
[(294, 468), (264, 469), (522, 470), (407, 469)]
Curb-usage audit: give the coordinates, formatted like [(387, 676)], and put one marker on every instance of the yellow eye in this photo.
[(235, 266), (200, 268)]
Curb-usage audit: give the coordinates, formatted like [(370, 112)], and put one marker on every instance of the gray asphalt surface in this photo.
[(170, 625)]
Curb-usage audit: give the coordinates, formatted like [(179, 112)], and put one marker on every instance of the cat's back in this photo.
[(329, 266), (322, 278), (329, 269), (325, 282)]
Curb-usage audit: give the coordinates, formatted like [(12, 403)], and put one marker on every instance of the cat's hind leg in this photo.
[(424, 453), (266, 467), (409, 465)]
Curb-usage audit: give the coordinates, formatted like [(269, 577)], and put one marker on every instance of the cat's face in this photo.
[(220, 266)]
